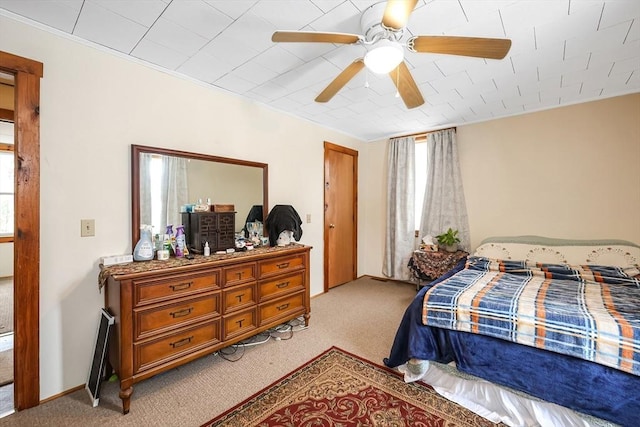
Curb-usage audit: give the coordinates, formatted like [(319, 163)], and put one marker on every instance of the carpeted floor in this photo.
[(6, 367), (341, 389), (360, 317), (6, 305)]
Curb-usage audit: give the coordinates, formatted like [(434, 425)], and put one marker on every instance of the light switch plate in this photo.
[(87, 227)]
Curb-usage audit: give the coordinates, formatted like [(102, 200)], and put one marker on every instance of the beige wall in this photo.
[(571, 172), (94, 105)]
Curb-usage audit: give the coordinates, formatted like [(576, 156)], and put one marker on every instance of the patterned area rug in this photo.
[(340, 389)]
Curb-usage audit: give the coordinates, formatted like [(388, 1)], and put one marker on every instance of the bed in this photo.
[(531, 331)]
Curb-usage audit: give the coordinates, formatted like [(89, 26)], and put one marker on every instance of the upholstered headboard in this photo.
[(561, 251)]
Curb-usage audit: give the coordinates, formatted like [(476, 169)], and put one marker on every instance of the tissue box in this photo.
[(223, 208), (116, 259)]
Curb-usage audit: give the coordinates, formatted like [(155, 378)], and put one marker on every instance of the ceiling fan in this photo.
[(385, 52)]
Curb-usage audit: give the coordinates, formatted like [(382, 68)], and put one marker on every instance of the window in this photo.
[(7, 182), (421, 179)]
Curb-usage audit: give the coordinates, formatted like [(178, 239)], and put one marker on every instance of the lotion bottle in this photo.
[(207, 249), (180, 241), (144, 248)]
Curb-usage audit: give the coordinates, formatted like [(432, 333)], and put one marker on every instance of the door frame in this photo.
[(333, 147), (26, 249)]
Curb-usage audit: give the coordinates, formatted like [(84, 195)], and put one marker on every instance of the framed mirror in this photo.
[(189, 178)]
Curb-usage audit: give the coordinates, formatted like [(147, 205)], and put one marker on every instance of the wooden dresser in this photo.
[(171, 312)]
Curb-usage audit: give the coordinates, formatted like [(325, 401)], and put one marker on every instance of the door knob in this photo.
[(332, 226)]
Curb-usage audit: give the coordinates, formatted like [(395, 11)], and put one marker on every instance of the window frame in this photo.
[(7, 116)]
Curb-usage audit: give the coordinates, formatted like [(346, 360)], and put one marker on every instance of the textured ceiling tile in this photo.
[(159, 55), (205, 67), (250, 31), (175, 37), (616, 11), (306, 74), (254, 73), (107, 28), (287, 14), (270, 91), (278, 59), (234, 84), (602, 40), (198, 16), (341, 19), (233, 9), (233, 52), (437, 17), (143, 12), (61, 15), (563, 51), (536, 12)]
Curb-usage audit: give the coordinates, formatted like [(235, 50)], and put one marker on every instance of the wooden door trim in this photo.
[(328, 146), (26, 259)]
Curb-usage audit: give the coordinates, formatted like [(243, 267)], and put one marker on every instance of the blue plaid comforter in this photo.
[(590, 312)]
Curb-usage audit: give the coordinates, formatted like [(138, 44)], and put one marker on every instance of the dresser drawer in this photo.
[(156, 290), (282, 307), (280, 265), (162, 318), (280, 286), (238, 297), (152, 353), (239, 274), (239, 323)]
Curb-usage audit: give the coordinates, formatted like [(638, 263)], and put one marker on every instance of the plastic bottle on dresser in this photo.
[(180, 241), (207, 249), (143, 250)]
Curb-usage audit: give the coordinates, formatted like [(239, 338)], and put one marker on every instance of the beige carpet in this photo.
[(6, 367), (6, 305), (360, 317)]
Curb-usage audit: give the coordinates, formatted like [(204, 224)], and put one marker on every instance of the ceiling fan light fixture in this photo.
[(385, 56)]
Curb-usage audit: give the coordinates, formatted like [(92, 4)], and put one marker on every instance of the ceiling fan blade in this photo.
[(342, 79), (397, 12), (465, 46), (314, 37), (407, 87)]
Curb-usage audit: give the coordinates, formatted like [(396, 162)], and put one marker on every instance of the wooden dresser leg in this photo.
[(125, 395), (307, 316)]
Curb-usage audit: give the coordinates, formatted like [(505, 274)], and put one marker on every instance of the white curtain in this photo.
[(174, 191), (145, 189), (399, 242), (444, 206)]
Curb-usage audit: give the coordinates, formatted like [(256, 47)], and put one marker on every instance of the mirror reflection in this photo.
[(166, 181)]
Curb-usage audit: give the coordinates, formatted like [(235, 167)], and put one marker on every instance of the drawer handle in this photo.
[(239, 322), (239, 275), (283, 307), (282, 285), (239, 297), (181, 342), (181, 313), (283, 265), (181, 286)]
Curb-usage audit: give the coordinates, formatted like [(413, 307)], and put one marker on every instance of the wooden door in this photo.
[(340, 215), (26, 249)]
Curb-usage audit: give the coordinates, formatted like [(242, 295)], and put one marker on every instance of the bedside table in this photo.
[(428, 266)]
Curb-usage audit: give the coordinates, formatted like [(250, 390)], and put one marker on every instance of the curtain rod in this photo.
[(421, 135)]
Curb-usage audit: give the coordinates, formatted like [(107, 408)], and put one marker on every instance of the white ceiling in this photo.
[(563, 52)]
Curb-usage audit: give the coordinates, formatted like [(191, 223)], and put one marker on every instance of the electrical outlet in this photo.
[(87, 227)]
